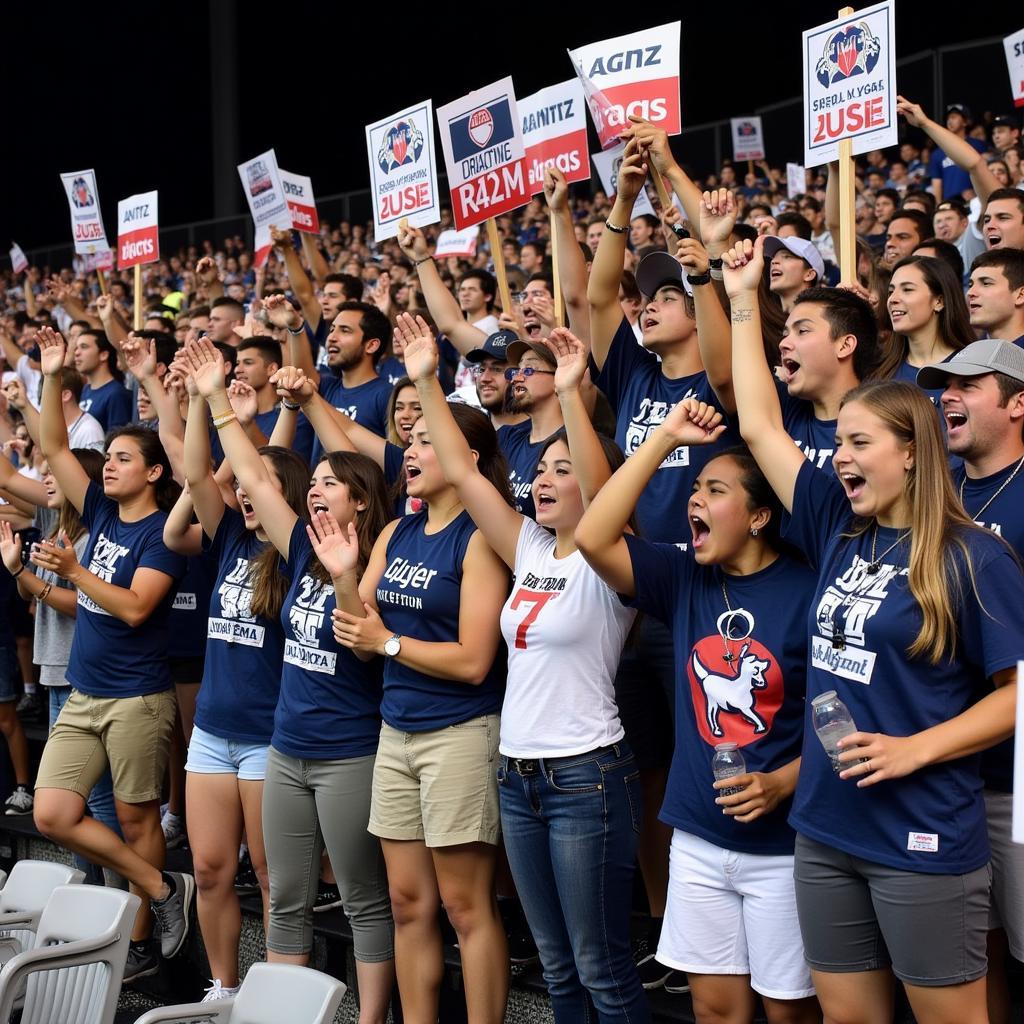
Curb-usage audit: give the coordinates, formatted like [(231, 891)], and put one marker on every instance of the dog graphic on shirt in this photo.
[(733, 694)]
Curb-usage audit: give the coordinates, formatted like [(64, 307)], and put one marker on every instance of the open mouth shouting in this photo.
[(700, 531), (853, 484)]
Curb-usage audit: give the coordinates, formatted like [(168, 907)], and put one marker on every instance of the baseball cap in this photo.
[(494, 347), (1004, 121), (799, 247), (955, 204), (658, 269), (959, 108), (518, 349), (978, 358)]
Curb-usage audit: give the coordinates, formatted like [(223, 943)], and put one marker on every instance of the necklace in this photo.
[(842, 610), (725, 626), (981, 511), (876, 563)]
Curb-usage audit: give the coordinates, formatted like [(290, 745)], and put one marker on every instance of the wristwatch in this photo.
[(696, 279), (393, 646)]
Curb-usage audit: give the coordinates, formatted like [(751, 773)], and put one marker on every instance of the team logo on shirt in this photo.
[(236, 624), (306, 617), (645, 421), (736, 687), (103, 563)]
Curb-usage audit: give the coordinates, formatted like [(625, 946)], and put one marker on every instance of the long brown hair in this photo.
[(68, 519), (269, 585), (481, 437), (166, 490), (938, 524), (393, 436)]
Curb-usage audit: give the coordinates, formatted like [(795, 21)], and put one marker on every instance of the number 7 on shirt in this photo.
[(536, 600)]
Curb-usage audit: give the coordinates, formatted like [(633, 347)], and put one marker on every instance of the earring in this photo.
[(754, 532)]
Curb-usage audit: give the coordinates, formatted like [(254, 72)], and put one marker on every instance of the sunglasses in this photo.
[(526, 371)]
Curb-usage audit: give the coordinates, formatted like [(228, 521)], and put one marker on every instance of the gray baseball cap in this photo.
[(977, 359), (800, 247)]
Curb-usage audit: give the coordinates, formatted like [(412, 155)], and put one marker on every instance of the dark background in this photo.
[(133, 89)]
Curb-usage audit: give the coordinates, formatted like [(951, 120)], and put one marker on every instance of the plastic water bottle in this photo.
[(726, 764), (832, 722)]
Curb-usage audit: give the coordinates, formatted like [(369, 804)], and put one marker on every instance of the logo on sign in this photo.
[(848, 51), (486, 126), (746, 129), (481, 126), (403, 144), (258, 177), (81, 195)]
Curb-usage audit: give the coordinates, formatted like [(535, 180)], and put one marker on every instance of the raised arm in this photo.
[(314, 257), (209, 276), (336, 431), (282, 313), (181, 535), (17, 397), (654, 148), (760, 414), (30, 491), (499, 522), (298, 279), (30, 586), (572, 268), (114, 326), (140, 359), (205, 495)]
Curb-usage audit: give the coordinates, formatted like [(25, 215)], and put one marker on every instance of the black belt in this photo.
[(535, 765)]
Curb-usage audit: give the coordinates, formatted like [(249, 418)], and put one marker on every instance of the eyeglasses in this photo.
[(526, 371), (479, 369)]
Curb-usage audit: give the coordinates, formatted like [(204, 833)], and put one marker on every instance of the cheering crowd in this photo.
[(710, 574)]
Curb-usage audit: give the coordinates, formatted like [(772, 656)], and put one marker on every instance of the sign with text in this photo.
[(298, 193), (482, 140), (1014, 46), (403, 170), (634, 74), (555, 133), (850, 84), (457, 243), (18, 259), (747, 138), (261, 182), (84, 204), (137, 234), (796, 180), (607, 164)]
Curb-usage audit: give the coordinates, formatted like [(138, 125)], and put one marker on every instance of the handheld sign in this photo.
[(607, 164), (298, 192), (137, 235), (633, 74), (850, 84), (457, 243), (555, 133), (84, 204), (18, 259), (483, 151), (747, 138), (261, 181), (1014, 46), (403, 170), (796, 180)]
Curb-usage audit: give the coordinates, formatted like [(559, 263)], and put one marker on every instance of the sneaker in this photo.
[(173, 830), (174, 914), (217, 991), (652, 973), (327, 896), (246, 881), (20, 801), (677, 983), (30, 706), (142, 961)]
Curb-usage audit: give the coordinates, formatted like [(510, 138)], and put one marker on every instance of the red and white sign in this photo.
[(138, 239), (796, 180), (84, 204), (19, 261), (261, 182), (457, 243), (482, 141), (555, 133), (98, 261), (635, 74), (1014, 46), (747, 138), (298, 191)]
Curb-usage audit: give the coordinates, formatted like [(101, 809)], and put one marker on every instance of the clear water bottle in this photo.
[(832, 722), (726, 764)]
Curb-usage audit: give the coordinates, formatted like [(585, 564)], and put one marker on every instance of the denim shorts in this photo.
[(214, 755)]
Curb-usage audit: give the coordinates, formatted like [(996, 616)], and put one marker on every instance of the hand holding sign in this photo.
[(281, 237), (653, 144), (632, 174), (556, 189), (412, 242), (419, 346), (692, 256)]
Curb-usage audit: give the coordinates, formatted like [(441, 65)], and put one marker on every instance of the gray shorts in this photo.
[(859, 916), (1007, 871)]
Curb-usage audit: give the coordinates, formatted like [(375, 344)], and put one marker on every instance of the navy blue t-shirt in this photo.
[(955, 180), (815, 438), (305, 438), (1002, 512), (394, 459), (934, 819), (756, 699), (521, 455), (330, 700), (391, 369), (191, 609), (641, 396), (110, 403), (419, 595), (366, 404), (109, 658), (242, 674)]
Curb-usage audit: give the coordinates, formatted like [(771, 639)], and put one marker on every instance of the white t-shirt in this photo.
[(32, 379), (565, 629), (86, 432)]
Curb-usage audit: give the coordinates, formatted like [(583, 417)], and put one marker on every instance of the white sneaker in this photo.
[(19, 802), (173, 829), (217, 991)]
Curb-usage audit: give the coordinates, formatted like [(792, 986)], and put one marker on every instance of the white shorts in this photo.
[(734, 913), (1007, 910)]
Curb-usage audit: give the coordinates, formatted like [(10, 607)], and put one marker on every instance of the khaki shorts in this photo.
[(440, 786), (130, 734)]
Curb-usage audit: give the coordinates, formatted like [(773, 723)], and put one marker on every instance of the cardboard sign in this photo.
[(607, 165), (796, 180), (19, 261), (298, 192), (403, 170), (850, 84), (633, 74), (84, 204), (555, 133), (457, 243), (261, 182), (482, 140), (1014, 46), (137, 234), (747, 138), (98, 260)]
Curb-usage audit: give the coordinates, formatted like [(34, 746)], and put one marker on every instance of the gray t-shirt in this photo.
[(54, 630)]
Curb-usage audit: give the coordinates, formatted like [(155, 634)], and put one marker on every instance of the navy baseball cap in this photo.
[(495, 347)]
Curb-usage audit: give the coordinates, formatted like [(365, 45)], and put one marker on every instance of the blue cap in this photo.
[(495, 347)]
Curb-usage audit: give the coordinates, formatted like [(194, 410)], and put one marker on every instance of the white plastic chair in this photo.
[(73, 975), (270, 994), (23, 898)]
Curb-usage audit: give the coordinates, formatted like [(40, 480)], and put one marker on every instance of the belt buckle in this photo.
[(524, 767)]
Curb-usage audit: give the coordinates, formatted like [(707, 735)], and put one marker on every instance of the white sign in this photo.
[(403, 170), (298, 192), (850, 84), (261, 182), (607, 164), (747, 138), (1018, 761), (634, 74), (482, 140), (796, 180), (19, 261), (457, 243), (138, 239), (84, 203), (555, 133), (1014, 46)]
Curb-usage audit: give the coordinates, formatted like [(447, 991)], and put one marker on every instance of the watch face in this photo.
[(392, 646)]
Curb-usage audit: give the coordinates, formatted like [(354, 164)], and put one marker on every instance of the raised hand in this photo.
[(16, 394), (52, 351), (692, 422), (420, 347), (244, 402), (281, 237), (293, 385), (206, 366), (911, 111), (692, 256), (139, 356), (632, 172), (336, 546), (570, 359), (105, 307), (380, 296), (717, 216), (556, 189), (652, 143), (281, 313), (10, 547), (743, 267), (57, 289), (206, 271), (412, 241)]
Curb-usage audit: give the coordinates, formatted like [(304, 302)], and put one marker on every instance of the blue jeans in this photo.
[(570, 826)]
